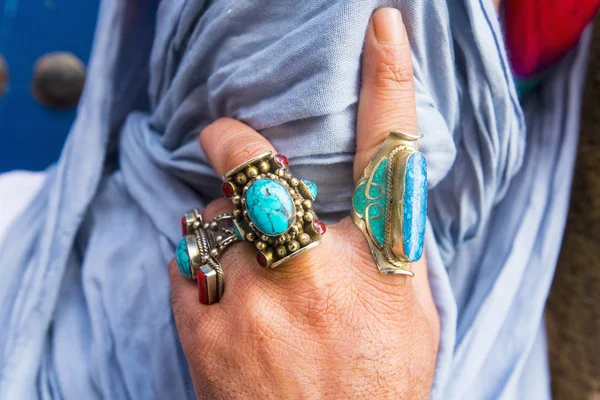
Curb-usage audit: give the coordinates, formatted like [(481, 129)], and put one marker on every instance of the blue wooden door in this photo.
[(32, 135)]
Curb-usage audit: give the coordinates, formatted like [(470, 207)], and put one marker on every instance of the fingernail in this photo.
[(388, 26)]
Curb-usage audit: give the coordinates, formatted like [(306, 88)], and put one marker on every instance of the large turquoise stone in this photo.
[(415, 206), (369, 202), (183, 259), (270, 206)]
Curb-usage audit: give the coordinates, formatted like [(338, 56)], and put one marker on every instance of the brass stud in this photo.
[(300, 213), (251, 172), (280, 251), (288, 176), (214, 226), (264, 238), (281, 239), (293, 246), (260, 245), (237, 199), (280, 172), (241, 179), (309, 216), (263, 167), (294, 229), (294, 182), (307, 204), (304, 239), (237, 212), (250, 236)]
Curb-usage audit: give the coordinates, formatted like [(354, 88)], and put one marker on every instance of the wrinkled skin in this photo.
[(326, 324)]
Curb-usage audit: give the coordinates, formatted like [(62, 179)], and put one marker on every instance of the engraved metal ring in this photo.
[(390, 203), (273, 209), (198, 252)]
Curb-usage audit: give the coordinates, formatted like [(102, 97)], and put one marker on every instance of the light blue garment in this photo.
[(84, 297)]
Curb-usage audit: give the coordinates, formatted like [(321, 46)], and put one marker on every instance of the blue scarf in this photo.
[(84, 297)]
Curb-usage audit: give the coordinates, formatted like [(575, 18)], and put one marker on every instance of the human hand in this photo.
[(326, 323)]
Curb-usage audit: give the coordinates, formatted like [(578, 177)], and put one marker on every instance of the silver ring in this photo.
[(198, 252)]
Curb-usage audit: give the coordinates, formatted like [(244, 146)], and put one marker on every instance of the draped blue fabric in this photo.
[(84, 297)]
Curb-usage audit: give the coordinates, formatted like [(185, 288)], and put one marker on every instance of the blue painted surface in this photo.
[(415, 206), (32, 136), (183, 259), (270, 206)]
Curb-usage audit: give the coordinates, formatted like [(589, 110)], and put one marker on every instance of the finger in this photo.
[(228, 143), (387, 100), (216, 208), (184, 302)]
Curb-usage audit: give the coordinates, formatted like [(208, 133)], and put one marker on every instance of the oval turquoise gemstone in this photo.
[(312, 188), (183, 259), (270, 206), (414, 215)]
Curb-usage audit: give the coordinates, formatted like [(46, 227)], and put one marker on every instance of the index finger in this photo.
[(387, 98), (228, 143)]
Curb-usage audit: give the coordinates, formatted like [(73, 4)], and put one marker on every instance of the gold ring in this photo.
[(273, 209)]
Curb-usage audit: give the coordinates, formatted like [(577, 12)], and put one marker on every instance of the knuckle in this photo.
[(216, 207), (319, 308), (314, 299), (394, 68), (238, 153), (378, 295), (259, 321), (212, 129)]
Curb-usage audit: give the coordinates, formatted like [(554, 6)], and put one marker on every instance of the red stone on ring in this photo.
[(281, 160), (319, 226), (262, 260), (202, 289), (183, 226), (227, 189)]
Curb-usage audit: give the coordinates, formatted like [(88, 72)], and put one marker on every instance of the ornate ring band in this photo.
[(390, 203), (198, 252), (273, 209)]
